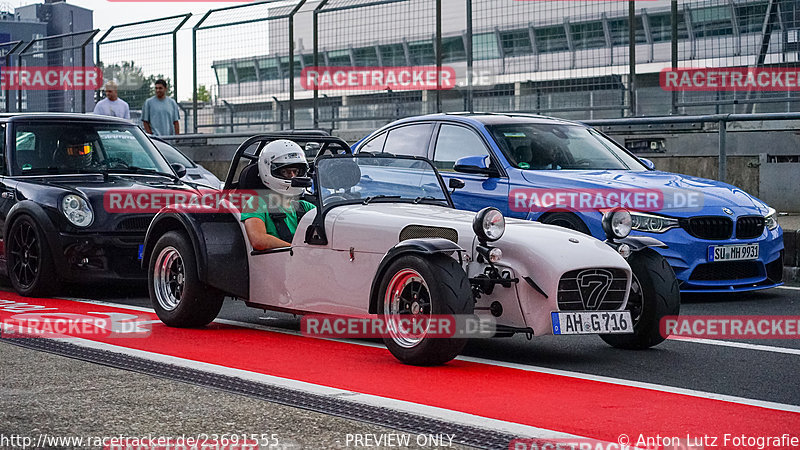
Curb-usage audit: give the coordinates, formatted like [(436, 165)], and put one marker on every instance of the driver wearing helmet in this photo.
[(273, 223), (74, 152)]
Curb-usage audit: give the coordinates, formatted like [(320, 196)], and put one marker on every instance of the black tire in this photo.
[(449, 293), (29, 261), (654, 295), (178, 297), (566, 220)]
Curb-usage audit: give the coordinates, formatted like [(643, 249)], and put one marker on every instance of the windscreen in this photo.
[(548, 146), (66, 148), (378, 179)]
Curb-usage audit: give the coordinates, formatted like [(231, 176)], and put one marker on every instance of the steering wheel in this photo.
[(112, 162)]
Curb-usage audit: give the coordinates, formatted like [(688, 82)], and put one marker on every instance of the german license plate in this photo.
[(592, 322), (141, 251), (732, 252)]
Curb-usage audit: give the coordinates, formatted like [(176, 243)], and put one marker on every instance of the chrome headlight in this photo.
[(650, 223), (489, 224), (771, 219), (77, 210), (617, 223)]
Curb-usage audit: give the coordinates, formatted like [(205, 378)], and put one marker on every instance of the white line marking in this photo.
[(791, 288), (530, 368), (357, 397), (763, 348)]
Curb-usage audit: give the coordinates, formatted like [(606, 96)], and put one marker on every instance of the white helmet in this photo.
[(277, 155)]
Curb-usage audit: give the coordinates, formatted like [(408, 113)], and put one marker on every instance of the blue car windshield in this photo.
[(546, 146), (378, 179)]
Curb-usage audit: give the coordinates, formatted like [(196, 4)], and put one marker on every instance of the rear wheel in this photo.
[(416, 288), (654, 294), (29, 262), (177, 295), (566, 220)]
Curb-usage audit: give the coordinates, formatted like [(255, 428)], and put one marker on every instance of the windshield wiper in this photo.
[(428, 198), (142, 170), (375, 197)]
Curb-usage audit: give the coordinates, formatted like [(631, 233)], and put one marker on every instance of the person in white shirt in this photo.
[(112, 105)]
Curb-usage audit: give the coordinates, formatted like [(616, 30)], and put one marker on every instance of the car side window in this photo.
[(455, 142), (375, 145), (411, 140)]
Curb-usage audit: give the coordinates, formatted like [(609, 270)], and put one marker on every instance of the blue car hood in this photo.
[(712, 195)]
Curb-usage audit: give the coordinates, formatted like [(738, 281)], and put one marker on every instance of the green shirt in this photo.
[(262, 213)]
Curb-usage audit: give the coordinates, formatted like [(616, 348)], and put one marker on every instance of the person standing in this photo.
[(112, 105), (160, 114)]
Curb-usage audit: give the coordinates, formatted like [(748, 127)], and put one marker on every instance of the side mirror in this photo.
[(649, 164), (180, 169), (456, 183), (475, 164), (301, 182)]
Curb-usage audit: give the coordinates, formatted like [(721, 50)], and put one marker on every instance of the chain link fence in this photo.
[(358, 64), (135, 55), (8, 95), (56, 55), (242, 60)]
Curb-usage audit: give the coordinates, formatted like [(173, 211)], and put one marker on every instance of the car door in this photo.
[(453, 142), (6, 191)]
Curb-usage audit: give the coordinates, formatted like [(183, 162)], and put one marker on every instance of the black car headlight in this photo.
[(650, 223), (617, 223), (489, 224), (771, 219), (77, 210)]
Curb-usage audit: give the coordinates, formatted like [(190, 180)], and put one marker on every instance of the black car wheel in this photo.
[(29, 261), (654, 294), (416, 288), (177, 295), (566, 220)]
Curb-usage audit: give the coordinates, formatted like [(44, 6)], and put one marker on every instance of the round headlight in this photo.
[(617, 224), (489, 224), (77, 210)]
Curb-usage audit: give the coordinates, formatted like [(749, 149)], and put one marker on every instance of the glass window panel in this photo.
[(339, 58), (516, 42), (366, 56), (484, 46), (393, 55), (453, 49), (421, 53), (551, 39), (618, 29), (246, 71), (268, 68), (661, 27), (712, 21), (588, 35), (751, 17)]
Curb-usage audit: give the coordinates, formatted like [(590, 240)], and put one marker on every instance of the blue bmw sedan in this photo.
[(718, 237)]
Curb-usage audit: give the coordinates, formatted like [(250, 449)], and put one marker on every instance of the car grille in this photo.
[(420, 231), (749, 227), (728, 270), (134, 224), (710, 227), (573, 297)]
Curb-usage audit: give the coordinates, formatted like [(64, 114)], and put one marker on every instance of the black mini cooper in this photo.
[(55, 172)]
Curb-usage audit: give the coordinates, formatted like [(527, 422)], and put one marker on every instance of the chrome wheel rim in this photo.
[(636, 300), (407, 300), (25, 254), (169, 278)]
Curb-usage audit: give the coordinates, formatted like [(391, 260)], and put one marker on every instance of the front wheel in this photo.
[(416, 288), (178, 296), (29, 262), (654, 294)]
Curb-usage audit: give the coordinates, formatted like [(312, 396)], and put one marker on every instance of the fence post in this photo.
[(470, 105), (175, 57), (674, 50), (723, 151), (315, 30), (194, 68), (438, 49), (291, 62), (632, 56)]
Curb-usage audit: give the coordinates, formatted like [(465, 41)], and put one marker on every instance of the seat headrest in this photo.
[(249, 179), (339, 173)]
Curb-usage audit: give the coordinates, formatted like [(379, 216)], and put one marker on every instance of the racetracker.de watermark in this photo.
[(730, 79), (51, 78), (410, 325), (200, 201), (644, 200), (731, 327), (61, 324), (378, 78)]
